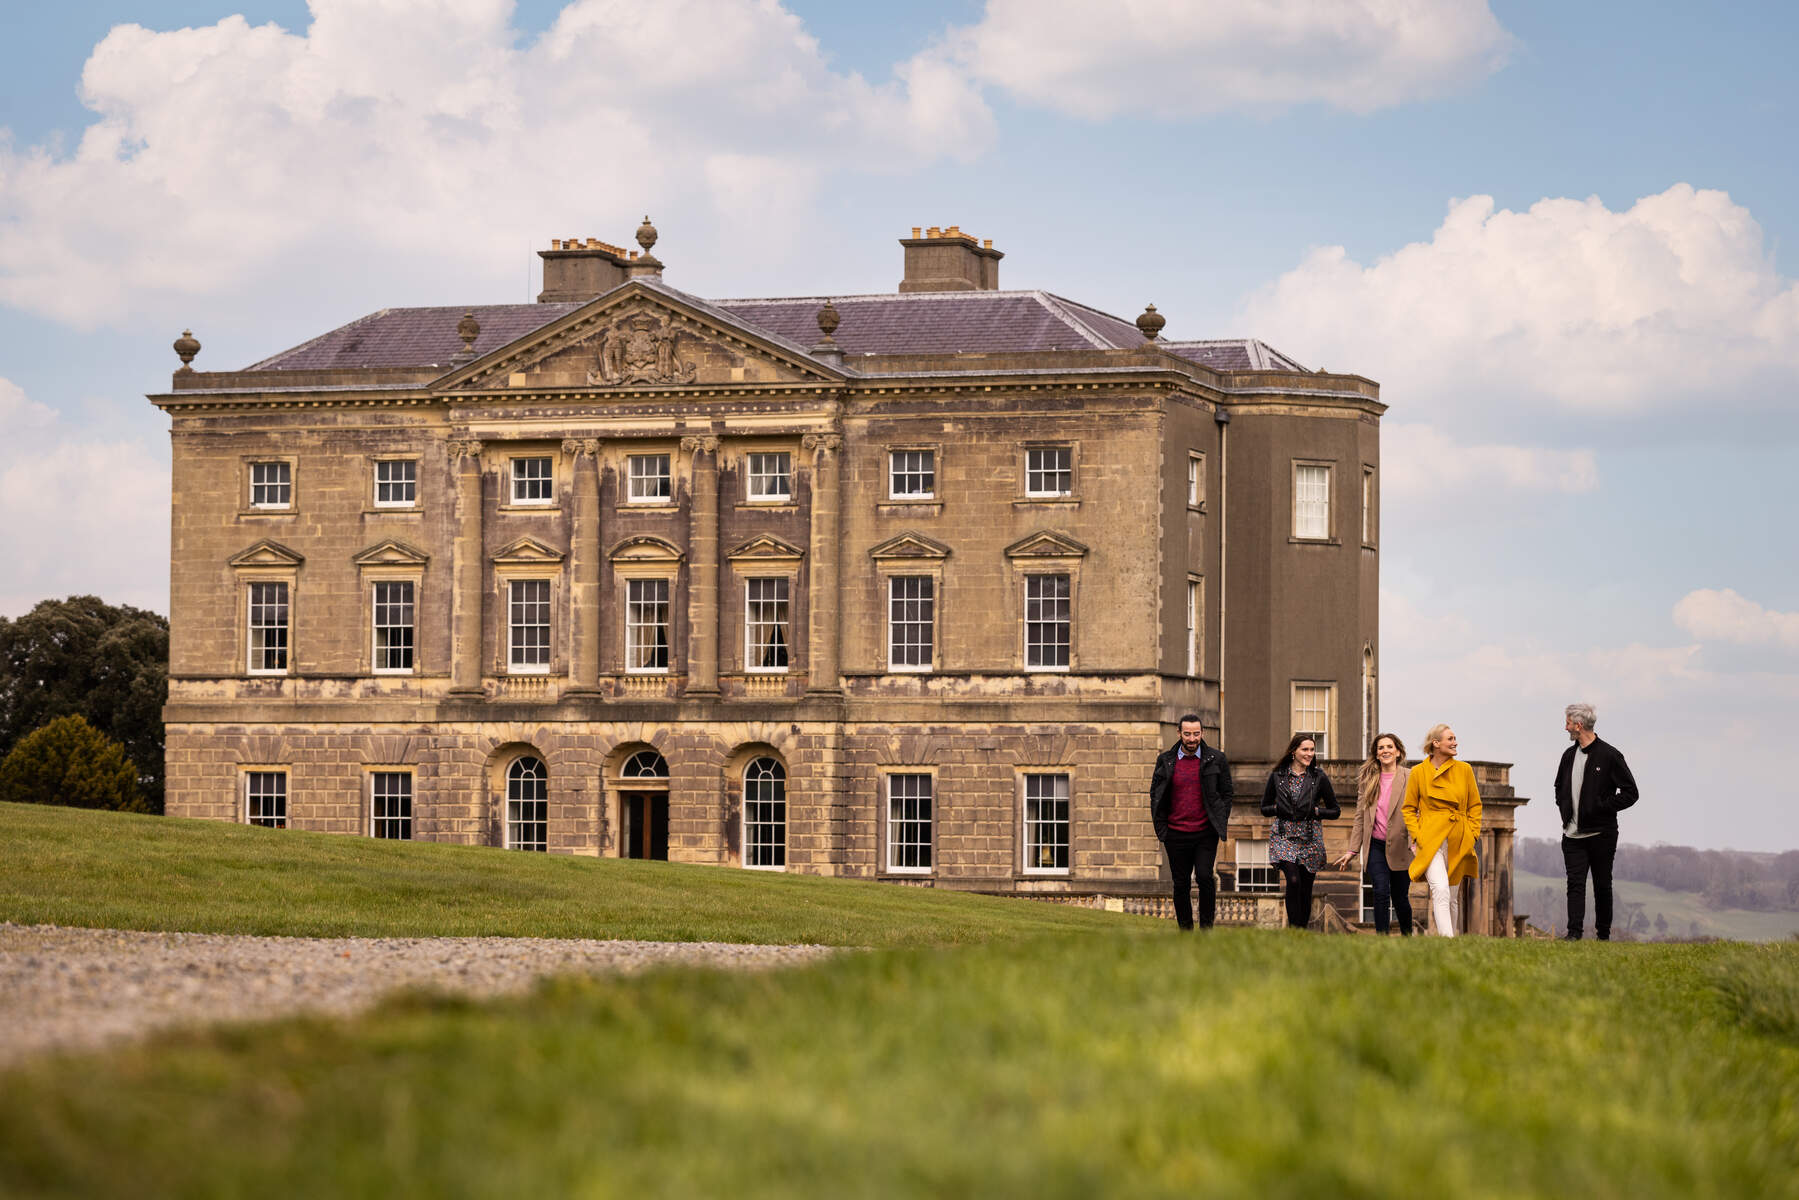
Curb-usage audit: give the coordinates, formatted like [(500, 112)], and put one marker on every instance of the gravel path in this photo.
[(64, 988)]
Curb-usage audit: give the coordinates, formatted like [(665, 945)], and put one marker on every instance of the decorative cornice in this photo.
[(910, 544), (765, 548), (527, 551), (391, 553), (267, 554), (645, 549), (1046, 543)]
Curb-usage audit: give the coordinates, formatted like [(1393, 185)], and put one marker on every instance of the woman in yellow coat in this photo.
[(1442, 817)]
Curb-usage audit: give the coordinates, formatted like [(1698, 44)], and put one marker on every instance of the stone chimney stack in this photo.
[(580, 270), (948, 260)]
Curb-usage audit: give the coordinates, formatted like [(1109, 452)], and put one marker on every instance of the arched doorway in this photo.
[(642, 788)]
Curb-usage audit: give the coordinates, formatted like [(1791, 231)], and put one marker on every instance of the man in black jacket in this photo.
[(1592, 786), (1190, 804)]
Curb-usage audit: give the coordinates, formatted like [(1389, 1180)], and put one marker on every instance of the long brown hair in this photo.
[(1287, 758), (1368, 778)]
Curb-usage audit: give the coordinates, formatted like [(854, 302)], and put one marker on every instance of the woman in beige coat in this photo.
[(1378, 838)]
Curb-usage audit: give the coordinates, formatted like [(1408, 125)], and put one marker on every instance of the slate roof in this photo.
[(903, 323)]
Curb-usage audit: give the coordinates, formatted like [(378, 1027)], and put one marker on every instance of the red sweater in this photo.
[(1188, 814)]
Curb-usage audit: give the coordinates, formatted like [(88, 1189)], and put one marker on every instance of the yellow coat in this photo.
[(1442, 805)]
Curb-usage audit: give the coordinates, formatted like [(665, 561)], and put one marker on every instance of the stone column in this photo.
[(469, 572), (702, 574), (584, 565), (822, 623)]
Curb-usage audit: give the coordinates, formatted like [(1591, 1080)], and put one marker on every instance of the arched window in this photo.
[(527, 805), (645, 764), (765, 815)]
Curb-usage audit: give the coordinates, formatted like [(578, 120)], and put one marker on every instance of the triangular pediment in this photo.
[(765, 547), (392, 554), (267, 554), (527, 551), (641, 336), (645, 549), (1046, 543), (910, 545)]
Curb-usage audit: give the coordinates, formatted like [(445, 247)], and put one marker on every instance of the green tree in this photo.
[(105, 662), (70, 762)]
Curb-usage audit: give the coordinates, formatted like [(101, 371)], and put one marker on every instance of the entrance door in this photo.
[(644, 827)]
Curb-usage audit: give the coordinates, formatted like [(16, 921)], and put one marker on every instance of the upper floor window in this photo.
[(1311, 501), (1312, 710), (265, 798), (390, 804), (528, 626), (1196, 479), (533, 481), (770, 476), (765, 815), (1049, 471), (268, 629), (1195, 611), (396, 483), (1368, 497), (393, 626), (1048, 622), (911, 474), (647, 479), (646, 625), (765, 624), (271, 485), (911, 622)]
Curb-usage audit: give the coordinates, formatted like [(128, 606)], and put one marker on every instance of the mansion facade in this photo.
[(909, 586)]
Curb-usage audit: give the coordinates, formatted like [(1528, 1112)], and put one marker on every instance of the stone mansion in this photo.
[(909, 586)]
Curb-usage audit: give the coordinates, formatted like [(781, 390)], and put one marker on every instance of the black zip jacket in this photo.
[(1317, 800), (1608, 789), (1215, 793)]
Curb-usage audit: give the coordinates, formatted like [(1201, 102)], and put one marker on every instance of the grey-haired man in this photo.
[(1592, 786)]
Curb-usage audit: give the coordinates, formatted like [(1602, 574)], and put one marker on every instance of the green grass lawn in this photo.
[(1240, 1063), (1683, 910), (1006, 1049), (122, 871)]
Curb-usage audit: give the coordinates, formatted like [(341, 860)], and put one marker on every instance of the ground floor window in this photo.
[(1254, 872), (765, 815), (1046, 822), (909, 822), (265, 798), (390, 804), (527, 805)]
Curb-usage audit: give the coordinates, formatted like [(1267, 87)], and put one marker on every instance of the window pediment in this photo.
[(910, 545), (1047, 543), (645, 549), (527, 552), (267, 554), (392, 553), (766, 548)]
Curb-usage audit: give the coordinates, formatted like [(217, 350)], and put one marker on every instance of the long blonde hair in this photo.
[(1368, 778)]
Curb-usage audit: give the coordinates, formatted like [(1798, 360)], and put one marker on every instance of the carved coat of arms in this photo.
[(639, 349)]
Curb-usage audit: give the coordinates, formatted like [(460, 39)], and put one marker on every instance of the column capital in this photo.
[(579, 446), (461, 448), (815, 442), (699, 445)]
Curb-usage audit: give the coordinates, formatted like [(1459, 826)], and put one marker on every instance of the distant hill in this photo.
[(1686, 914)]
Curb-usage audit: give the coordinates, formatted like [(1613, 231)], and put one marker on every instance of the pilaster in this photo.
[(702, 580), (822, 650), (468, 571), (584, 553)]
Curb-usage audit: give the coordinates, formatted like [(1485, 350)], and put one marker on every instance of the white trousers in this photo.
[(1437, 876)]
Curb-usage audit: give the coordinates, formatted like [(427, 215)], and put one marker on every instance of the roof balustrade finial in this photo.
[(468, 329), (1150, 323), (187, 346), (646, 234), (828, 320)]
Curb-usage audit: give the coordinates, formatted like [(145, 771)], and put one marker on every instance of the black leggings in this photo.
[(1299, 894)]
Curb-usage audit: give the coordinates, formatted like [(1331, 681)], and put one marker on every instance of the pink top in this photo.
[(1380, 804)]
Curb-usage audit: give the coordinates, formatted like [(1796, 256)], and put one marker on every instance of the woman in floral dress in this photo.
[(1298, 795)]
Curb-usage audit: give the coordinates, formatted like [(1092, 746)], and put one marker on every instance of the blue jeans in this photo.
[(1390, 887)]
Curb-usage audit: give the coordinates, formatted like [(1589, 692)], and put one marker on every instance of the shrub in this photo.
[(69, 762)]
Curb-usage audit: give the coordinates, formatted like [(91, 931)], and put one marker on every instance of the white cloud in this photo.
[(1171, 59), (82, 516), (1421, 460), (397, 129), (1724, 616), (1567, 308)]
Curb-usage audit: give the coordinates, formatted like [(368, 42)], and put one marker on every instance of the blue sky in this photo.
[(1605, 349)]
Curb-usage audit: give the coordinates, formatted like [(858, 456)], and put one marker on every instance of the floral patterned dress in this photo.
[(1300, 842)]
